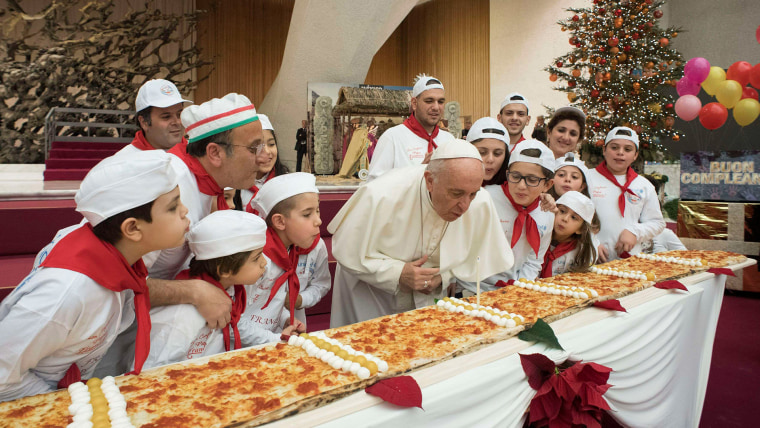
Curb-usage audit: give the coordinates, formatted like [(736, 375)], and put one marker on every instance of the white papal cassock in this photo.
[(391, 221)]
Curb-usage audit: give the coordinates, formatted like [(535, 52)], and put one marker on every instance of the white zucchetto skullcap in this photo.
[(515, 98), (265, 123), (570, 159), (546, 159), (425, 82), (226, 232), (456, 149), (120, 183), (158, 93), (487, 127), (622, 133), (579, 203), (283, 187), (217, 115)]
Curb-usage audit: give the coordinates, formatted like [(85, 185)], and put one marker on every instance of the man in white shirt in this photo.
[(412, 142), (400, 239), (159, 106)]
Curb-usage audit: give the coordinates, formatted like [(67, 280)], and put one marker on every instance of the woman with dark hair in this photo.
[(268, 161), (490, 137), (565, 130)]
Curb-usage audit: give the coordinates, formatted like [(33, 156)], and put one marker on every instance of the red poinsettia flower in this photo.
[(566, 397)]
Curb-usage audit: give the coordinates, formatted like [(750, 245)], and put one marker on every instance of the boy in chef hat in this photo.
[(59, 322), (228, 250), (298, 276)]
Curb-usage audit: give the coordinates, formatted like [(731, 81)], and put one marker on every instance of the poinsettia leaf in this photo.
[(585, 419), (671, 284), (284, 337), (593, 372), (538, 368), (590, 397), (624, 255), (502, 284), (400, 390), (721, 271), (545, 406), (541, 332), (566, 390), (613, 304)]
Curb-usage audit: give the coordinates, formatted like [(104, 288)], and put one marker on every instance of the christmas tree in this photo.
[(618, 72)]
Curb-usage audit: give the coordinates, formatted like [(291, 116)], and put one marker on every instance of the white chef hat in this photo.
[(546, 159), (217, 115), (265, 123), (120, 183), (569, 159), (579, 203), (487, 127), (158, 93), (425, 82), (226, 232), (515, 98), (572, 110), (283, 187), (622, 133), (455, 149)]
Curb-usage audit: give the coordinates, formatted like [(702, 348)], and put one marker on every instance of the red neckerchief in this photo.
[(81, 251), (415, 126), (630, 175), (206, 183), (278, 254), (560, 250), (141, 143), (255, 190), (518, 142), (524, 217), (238, 306)]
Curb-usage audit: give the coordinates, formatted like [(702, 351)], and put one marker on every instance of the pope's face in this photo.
[(454, 186)]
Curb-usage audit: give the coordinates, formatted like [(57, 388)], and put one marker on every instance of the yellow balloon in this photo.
[(746, 111), (729, 93), (716, 76)]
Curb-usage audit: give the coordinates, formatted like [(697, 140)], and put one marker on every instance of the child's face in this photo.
[(521, 192), (169, 225), (229, 196), (268, 155), (619, 155), (568, 178), (251, 270), (493, 153), (303, 221), (566, 223)]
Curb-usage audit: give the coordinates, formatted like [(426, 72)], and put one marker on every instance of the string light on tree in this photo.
[(620, 62)]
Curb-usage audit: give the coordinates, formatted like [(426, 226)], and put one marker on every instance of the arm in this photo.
[(213, 304), (319, 282), (650, 222)]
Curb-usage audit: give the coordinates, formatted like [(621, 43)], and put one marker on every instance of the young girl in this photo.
[(489, 136), (570, 173), (565, 130), (572, 249), (268, 161)]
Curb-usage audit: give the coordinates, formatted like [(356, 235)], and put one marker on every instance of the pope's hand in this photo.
[(626, 241), (415, 277)]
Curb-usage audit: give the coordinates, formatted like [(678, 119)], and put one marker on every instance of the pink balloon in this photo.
[(687, 107), (697, 69), (686, 87)]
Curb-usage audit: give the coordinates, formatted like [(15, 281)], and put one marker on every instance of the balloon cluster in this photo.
[(731, 89)]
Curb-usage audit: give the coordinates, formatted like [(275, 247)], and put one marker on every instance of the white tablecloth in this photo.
[(659, 352)]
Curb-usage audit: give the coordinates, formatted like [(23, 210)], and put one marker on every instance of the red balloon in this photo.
[(757, 34), (739, 71), (713, 115), (748, 92), (754, 76)]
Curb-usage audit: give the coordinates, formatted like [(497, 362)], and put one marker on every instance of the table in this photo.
[(659, 351)]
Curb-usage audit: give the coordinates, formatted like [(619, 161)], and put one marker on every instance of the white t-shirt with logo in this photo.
[(399, 147)]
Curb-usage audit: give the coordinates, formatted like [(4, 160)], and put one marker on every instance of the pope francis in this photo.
[(402, 238)]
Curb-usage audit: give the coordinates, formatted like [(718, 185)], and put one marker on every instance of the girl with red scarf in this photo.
[(572, 248)]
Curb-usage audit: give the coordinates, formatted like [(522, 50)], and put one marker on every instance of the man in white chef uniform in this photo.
[(401, 238), (411, 142)]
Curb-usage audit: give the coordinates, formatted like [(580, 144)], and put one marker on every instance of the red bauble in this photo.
[(602, 10), (641, 26), (571, 84), (669, 105), (602, 49), (649, 1), (576, 18), (594, 93), (658, 14), (573, 41), (598, 34), (653, 124), (627, 48), (559, 63), (635, 36), (618, 12), (613, 41), (602, 61), (597, 125)]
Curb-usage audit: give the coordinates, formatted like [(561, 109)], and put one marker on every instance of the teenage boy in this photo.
[(626, 203), (514, 114), (59, 322)]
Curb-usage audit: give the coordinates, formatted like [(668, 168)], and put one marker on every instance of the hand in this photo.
[(213, 304), (426, 160), (432, 285), (289, 330), (602, 251), (417, 278), (626, 241), (452, 289), (547, 203), (299, 301)]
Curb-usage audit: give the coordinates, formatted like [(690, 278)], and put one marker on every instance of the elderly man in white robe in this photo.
[(401, 239)]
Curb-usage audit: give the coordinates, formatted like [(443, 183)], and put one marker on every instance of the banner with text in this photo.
[(721, 176)]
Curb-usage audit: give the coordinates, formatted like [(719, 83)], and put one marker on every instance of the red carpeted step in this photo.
[(30, 225), (71, 163), (55, 145), (15, 269), (65, 174), (81, 153)]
